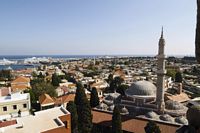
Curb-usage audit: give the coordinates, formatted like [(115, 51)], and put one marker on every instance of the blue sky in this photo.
[(87, 27)]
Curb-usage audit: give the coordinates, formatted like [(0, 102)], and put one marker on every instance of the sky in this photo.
[(96, 27)]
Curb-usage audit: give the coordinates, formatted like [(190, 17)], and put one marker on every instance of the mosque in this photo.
[(145, 99)]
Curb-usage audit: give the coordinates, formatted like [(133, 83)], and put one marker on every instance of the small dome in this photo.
[(167, 117), (124, 110), (141, 88), (111, 108), (152, 115), (173, 105), (181, 120), (102, 106)]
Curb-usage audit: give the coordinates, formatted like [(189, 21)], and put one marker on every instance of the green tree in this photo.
[(115, 84), (171, 73), (193, 114), (197, 37), (118, 81), (110, 78), (121, 89), (178, 77), (41, 88), (83, 110), (5, 75), (55, 80), (94, 100), (151, 127), (96, 129), (41, 75), (116, 121), (71, 107)]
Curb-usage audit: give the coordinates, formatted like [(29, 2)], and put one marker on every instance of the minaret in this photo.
[(161, 75)]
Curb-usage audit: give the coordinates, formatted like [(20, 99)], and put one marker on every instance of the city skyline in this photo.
[(96, 27)]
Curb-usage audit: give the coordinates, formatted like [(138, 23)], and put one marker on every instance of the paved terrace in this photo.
[(42, 121)]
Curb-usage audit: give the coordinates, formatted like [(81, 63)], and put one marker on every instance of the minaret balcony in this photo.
[(161, 56)]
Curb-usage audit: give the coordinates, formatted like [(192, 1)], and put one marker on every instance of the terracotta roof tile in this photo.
[(65, 99), (130, 124), (7, 123), (21, 79), (19, 87), (46, 99)]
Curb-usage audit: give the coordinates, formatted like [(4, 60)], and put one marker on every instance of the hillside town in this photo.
[(99, 66)]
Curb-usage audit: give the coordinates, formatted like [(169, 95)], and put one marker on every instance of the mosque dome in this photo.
[(181, 120), (124, 110), (167, 118), (173, 105), (152, 115), (141, 88)]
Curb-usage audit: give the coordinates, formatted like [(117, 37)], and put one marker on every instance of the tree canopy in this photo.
[(55, 80), (151, 127), (71, 107), (116, 121), (178, 77), (94, 99), (192, 116), (41, 88), (83, 110)]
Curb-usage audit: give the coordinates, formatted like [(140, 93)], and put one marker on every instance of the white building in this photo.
[(14, 105)]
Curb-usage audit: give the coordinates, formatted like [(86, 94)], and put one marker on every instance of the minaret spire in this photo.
[(162, 32), (161, 75)]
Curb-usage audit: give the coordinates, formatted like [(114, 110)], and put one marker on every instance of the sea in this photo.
[(23, 57)]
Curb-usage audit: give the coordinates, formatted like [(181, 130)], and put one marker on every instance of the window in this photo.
[(5, 108), (25, 105), (14, 107)]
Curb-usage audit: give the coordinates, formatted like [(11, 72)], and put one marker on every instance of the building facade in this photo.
[(14, 105)]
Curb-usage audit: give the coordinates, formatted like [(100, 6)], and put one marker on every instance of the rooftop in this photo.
[(42, 121), (14, 97), (129, 124)]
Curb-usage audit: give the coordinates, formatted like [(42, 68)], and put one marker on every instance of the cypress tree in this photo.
[(55, 80), (71, 107), (94, 100), (178, 77), (116, 121), (193, 114), (151, 127), (83, 110)]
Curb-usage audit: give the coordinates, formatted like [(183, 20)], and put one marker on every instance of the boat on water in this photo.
[(7, 62), (35, 60)]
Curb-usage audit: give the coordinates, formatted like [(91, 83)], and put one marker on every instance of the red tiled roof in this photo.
[(46, 99), (7, 123), (21, 79), (129, 124), (4, 91), (65, 99), (19, 87)]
